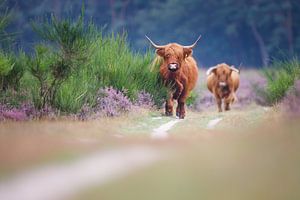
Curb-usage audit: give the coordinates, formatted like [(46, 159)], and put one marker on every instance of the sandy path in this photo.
[(162, 131), (59, 181), (212, 123), (56, 182)]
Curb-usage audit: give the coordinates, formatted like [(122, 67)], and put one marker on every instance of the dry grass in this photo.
[(260, 163), (26, 144)]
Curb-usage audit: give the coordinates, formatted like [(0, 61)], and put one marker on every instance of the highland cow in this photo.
[(223, 81), (179, 72)]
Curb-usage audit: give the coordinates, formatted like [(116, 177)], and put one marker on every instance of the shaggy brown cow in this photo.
[(179, 72), (223, 81)]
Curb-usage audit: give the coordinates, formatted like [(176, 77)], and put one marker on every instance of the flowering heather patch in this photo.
[(250, 81), (111, 102), (47, 112), (24, 112), (205, 100), (291, 101), (84, 112), (144, 99)]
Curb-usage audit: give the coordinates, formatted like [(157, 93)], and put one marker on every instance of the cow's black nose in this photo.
[(173, 67)]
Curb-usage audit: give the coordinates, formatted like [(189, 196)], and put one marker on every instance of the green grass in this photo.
[(280, 77)]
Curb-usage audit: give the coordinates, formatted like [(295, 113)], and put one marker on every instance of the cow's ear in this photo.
[(160, 52), (187, 52)]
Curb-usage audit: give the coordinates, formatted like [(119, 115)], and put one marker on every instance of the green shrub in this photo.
[(39, 67), (6, 65), (74, 61), (111, 64), (12, 68), (280, 77), (191, 99), (13, 77), (6, 16), (70, 50)]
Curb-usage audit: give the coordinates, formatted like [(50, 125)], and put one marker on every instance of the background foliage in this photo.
[(235, 31), (70, 63)]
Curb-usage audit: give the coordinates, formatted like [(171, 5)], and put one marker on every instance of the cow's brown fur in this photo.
[(181, 81), (223, 73)]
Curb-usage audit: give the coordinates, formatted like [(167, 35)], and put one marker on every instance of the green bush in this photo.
[(68, 50), (6, 16), (6, 63), (74, 61), (112, 63), (13, 77), (280, 77)]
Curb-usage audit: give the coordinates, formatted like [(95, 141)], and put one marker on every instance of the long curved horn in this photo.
[(193, 45), (234, 69), (208, 72), (155, 45)]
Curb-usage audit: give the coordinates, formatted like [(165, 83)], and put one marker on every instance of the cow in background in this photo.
[(179, 72), (223, 81)]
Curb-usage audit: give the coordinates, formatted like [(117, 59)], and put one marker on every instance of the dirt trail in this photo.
[(60, 180), (162, 131)]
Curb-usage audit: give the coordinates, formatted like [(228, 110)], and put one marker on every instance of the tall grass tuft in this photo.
[(112, 63), (280, 77)]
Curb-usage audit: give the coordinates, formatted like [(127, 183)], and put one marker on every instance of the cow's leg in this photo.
[(180, 111), (179, 89), (169, 105), (219, 103), (177, 109), (229, 100), (227, 104), (181, 108)]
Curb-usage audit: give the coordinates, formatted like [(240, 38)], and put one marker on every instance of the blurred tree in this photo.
[(5, 19), (252, 32), (235, 31)]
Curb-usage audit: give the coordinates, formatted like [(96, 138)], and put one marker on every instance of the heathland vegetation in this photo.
[(77, 68)]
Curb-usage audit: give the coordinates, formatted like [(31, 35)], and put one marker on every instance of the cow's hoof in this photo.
[(169, 114), (181, 117)]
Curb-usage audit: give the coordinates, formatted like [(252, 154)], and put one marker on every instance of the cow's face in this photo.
[(173, 55), (223, 74)]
